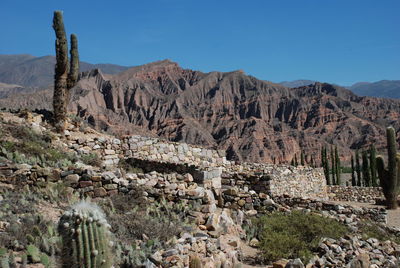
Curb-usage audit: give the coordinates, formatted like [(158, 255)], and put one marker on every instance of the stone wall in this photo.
[(206, 165), (205, 196), (354, 193)]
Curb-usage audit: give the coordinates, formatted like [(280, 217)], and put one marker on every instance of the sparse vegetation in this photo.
[(295, 234), (22, 145), (372, 230)]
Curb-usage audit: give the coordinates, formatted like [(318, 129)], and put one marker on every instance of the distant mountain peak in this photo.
[(30, 71)]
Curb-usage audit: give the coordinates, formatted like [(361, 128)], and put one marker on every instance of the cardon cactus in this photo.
[(195, 262), (390, 177), (86, 237), (66, 74)]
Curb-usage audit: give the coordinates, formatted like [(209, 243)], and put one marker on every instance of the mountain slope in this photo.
[(31, 71), (252, 120), (382, 89), (297, 83)]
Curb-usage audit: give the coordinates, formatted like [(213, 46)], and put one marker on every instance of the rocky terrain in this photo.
[(250, 119), (211, 202)]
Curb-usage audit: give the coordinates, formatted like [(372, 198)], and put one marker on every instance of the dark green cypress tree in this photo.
[(337, 166), (292, 162), (333, 166), (358, 169), (295, 160), (366, 169), (302, 158), (372, 162), (353, 173)]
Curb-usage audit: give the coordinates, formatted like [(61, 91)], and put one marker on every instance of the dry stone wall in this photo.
[(211, 166), (354, 193)]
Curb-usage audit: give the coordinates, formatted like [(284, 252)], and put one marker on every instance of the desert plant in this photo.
[(358, 168), (295, 234), (372, 161), (353, 173), (65, 76), (333, 165), (337, 166), (390, 177), (325, 165), (86, 237), (195, 262), (366, 169)]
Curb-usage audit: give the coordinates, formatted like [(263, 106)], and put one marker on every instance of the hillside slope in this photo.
[(252, 120), (31, 71)]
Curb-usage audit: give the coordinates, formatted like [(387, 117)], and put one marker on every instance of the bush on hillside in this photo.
[(295, 234)]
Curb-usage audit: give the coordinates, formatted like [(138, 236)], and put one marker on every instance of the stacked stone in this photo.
[(155, 149), (344, 213), (353, 251), (354, 193)]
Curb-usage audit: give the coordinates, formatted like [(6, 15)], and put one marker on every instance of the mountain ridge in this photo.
[(31, 71)]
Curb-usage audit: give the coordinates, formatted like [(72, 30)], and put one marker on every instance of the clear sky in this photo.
[(338, 41)]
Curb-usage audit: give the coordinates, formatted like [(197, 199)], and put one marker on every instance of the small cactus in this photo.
[(390, 177), (85, 234), (195, 262)]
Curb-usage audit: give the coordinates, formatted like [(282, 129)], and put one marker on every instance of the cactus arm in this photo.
[(74, 62), (382, 173), (392, 167), (61, 71)]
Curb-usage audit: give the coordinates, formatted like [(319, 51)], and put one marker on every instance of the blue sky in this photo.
[(338, 41)]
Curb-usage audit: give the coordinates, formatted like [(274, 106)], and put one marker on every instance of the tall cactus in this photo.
[(65, 76), (372, 162), (85, 235), (390, 177), (358, 169), (337, 167), (353, 173), (365, 169)]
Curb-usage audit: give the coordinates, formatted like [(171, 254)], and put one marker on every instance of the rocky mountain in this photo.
[(252, 120), (31, 71), (297, 83), (382, 89)]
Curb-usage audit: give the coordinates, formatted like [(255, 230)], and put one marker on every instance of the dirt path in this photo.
[(393, 215)]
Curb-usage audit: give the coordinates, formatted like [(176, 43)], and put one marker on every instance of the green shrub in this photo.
[(295, 234)]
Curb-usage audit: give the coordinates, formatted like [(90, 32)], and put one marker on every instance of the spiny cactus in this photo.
[(7, 261), (65, 76), (390, 177), (195, 262), (85, 234)]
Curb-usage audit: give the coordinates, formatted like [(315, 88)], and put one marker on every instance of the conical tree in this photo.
[(358, 169), (295, 160), (302, 158), (353, 173), (372, 162), (65, 77)]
